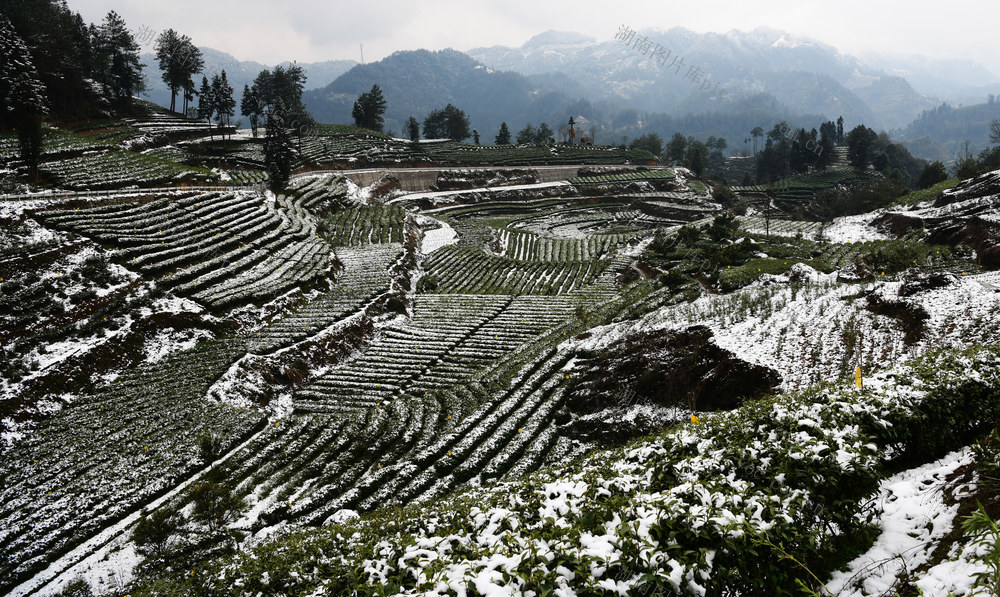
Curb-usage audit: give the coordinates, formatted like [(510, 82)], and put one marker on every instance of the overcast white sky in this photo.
[(271, 31)]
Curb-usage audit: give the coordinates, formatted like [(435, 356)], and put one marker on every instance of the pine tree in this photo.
[(447, 123), (154, 531), (117, 57), (264, 88), (206, 103), (287, 85), (369, 108), (179, 60), (503, 137), (215, 505), (60, 48), (932, 174), (167, 46), (413, 129), (22, 96), (860, 146), (250, 105), (544, 134), (225, 105), (697, 156), (526, 135), (677, 148), (277, 149), (189, 94), (825, 155)]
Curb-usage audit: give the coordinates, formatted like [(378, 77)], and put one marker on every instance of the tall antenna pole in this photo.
[(362, 53)]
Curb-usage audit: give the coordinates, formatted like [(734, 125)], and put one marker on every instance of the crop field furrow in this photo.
[(154, 448), (363, 276), (225, 250), (397, 357)]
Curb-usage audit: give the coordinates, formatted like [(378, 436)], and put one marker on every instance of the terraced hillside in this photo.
[(219, 249), (363, 426), (344, 366), (331, 146)]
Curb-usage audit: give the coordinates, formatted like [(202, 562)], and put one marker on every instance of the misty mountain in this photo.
[(949, 79), (417, 82), (892, 100), (950, 128), (805, 75), (239, 73)]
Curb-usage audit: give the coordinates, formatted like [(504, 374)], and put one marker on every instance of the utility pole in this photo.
[(362, 53)]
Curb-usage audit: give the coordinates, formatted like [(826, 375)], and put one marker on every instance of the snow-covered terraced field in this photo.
[(585, 222), (106, 455), (363, 275), (220, 249), (116, 169), (524, 246), (402, 353), (821, 330), (384, 446), (468, 270), (365, 368), (367, 224)]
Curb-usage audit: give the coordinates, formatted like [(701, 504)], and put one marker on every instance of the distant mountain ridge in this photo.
[(416, 82), (950, 128), (239, 73), (760, 60), (767, 76)]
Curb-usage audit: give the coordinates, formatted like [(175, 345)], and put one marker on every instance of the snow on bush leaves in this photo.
[(702, 509)]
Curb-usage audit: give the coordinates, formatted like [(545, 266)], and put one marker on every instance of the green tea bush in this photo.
[(745, 502)]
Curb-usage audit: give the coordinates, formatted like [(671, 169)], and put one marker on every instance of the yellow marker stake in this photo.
[(857, 376), (694, 419)]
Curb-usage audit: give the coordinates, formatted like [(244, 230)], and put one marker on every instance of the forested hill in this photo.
[(416, 82), (951, 127)]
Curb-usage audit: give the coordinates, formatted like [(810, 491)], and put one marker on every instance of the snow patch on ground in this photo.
[(914, 518), (637, 249), (803, 332), (953, 576), (438, 195), (168, 340), (852, 229), (172, 303), (437, 234), (357, 193)]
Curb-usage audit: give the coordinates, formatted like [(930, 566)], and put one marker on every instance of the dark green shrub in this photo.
[(215, 505), (154, 532), (428, 284)]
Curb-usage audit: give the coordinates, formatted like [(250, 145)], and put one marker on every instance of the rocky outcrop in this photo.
[(677, 368), (968, 214)]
